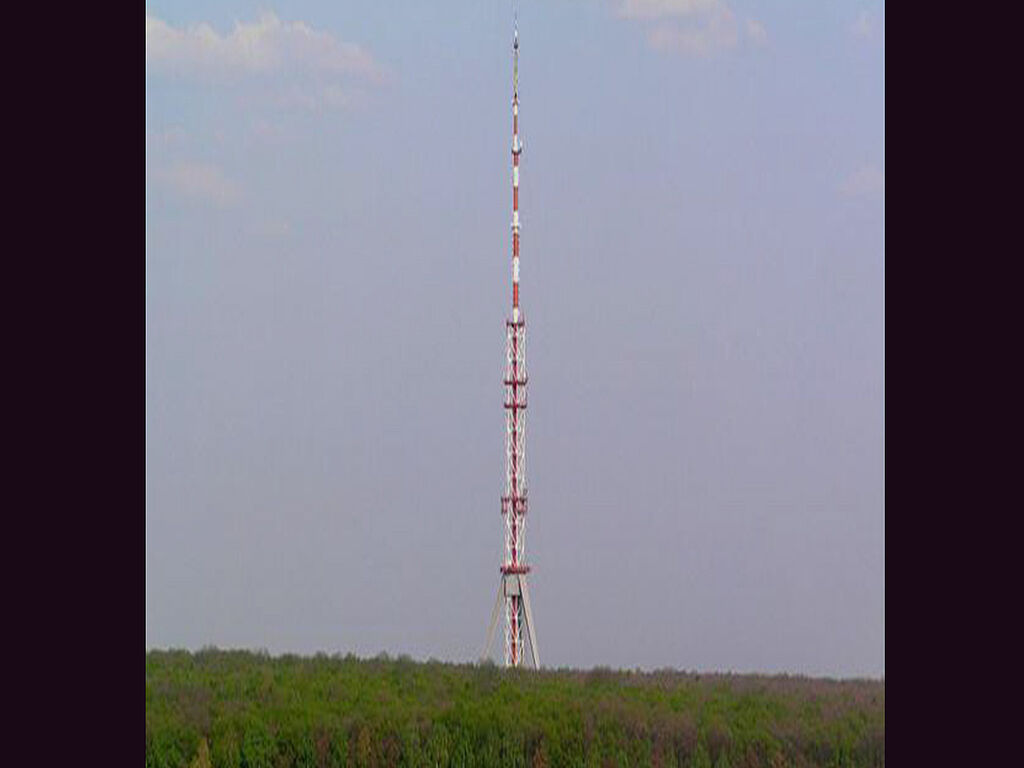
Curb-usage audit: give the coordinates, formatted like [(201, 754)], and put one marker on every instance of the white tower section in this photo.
[(513, 593)]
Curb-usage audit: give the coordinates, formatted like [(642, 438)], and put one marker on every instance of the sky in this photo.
[(328, 269)]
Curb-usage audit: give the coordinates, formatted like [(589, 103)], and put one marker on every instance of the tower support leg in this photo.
[(529, 622), (509, 585), (494, 620)]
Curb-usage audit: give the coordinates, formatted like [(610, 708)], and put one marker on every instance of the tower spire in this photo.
[(515, 58), (512, 589), (517, 149)]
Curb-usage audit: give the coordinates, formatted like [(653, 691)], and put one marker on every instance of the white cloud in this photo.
[(756, 32), (264, 46), (200, 182), (862, 27), (291, 62), (692, 27), (715, 33), (317, 97), (866, 180), (658, 9)]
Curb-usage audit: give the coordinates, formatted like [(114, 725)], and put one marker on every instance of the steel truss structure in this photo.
[(513, 592)]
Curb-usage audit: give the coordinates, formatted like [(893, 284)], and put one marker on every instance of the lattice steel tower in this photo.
[(512, 589)]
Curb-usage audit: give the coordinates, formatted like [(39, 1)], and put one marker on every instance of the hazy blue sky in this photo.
[(327, 275)]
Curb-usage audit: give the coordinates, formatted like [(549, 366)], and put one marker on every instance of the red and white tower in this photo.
[(513, 592)]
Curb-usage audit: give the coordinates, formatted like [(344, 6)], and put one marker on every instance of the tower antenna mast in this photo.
[(513, 592)]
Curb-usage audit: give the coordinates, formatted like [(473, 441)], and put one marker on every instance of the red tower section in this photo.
[(513, 591)]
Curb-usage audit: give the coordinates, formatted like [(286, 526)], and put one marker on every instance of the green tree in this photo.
[(257, 747), (412, 754), (439, 747), (513, 750), (165, 752), (337, 751), (226, 752), (337, 712), (303, 750)]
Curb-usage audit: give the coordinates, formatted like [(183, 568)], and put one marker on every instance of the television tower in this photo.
[(512, 588)]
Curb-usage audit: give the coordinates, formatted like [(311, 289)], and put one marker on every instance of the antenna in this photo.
[(513, 591)]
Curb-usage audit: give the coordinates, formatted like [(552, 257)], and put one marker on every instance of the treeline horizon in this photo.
[(405, 657), (243, 708)]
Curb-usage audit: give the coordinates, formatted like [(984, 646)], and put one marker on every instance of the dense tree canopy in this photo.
[(236, 709)]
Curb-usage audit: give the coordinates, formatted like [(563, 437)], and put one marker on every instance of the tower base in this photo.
[(513, 585)]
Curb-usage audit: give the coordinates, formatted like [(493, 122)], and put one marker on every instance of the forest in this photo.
[(242, 709)]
